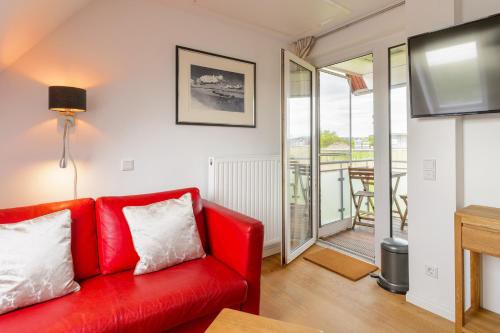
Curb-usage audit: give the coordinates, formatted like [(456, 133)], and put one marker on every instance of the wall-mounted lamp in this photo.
[(67, 101)]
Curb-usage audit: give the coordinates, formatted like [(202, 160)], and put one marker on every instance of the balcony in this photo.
[(336, 204), (337, 209)]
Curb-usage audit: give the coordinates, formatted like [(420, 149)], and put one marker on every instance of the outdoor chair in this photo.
[(367, 178), (404, 218)]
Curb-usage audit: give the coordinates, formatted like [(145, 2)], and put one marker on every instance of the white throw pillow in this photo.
[(164, 234), (35, 261)]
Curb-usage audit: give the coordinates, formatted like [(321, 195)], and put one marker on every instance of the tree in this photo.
[(328, 138), (371, 140)]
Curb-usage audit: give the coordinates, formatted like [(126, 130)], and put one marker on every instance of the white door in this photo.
[(298, 151)]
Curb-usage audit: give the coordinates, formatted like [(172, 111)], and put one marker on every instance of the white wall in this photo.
[(465, 162), (25, 23), (481, 163), (124, 54), (432, 203)]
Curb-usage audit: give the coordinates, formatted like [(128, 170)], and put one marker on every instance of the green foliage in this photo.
[(328, 138), (371, 140)]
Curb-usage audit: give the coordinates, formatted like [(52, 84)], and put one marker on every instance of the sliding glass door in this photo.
[(346, 156), (298, 149)]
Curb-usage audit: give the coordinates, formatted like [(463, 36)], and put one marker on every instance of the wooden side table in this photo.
[(241, 322), (477, 229)]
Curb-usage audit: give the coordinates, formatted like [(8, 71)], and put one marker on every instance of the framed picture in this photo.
[(214, 90)]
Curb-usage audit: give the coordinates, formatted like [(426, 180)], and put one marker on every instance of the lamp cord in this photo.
[(62, 161), (75, 174), (75, 170)]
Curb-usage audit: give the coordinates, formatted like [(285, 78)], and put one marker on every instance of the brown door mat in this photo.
[(342, 264)]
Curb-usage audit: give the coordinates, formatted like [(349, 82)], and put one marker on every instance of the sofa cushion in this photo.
[(83, 230), (164, 234), (35, 261), (125, 302), (116, 249)]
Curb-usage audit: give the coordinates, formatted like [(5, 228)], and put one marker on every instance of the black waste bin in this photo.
[(394, 270)]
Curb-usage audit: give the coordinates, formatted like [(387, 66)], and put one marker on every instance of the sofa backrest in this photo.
[(116, 249), (83, 230)]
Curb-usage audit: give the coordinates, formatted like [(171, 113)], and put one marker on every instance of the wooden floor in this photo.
[(306, 294)]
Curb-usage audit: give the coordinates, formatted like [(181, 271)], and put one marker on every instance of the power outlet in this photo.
[(431, 271), (127, 165)]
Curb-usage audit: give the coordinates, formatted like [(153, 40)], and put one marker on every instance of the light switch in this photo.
[(430, 175), (429, 164), (127, 165), (430, 170)]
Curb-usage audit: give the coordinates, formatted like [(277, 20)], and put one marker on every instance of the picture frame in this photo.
[(214, 90)]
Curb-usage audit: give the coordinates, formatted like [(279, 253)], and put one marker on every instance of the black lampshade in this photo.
[(67, 99)]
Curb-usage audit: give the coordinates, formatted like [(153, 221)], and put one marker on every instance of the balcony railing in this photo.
[(335, 196)]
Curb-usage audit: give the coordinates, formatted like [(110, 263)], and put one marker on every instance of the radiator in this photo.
[(251, 186)]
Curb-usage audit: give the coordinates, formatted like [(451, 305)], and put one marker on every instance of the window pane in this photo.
[(363, 138), (334, 146), (399, 138), (299, 154)]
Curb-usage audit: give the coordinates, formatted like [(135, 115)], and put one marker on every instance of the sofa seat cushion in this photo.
[(123, 302)]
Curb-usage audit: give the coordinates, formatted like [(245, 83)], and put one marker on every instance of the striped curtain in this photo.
[(303, 46)]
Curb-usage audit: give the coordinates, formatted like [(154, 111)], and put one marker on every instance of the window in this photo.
[(398, 67)]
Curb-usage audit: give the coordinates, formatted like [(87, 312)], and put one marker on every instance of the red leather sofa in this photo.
[(182, 298)]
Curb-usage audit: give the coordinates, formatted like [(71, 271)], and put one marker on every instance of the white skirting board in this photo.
[(250, 185), (438, 309), (271, 249)]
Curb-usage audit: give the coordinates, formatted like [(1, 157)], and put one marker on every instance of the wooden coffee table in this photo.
[(241, 322)]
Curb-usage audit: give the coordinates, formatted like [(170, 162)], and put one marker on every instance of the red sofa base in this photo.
[(122, 302), (182, 298)]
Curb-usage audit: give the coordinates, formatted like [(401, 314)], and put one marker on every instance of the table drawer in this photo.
[(481, 240)]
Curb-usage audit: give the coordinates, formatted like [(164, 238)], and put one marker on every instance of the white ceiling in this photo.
[(361, 65), (291, 18), (23, 23)]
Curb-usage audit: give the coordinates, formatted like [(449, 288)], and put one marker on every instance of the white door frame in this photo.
[(379, 48), (287, 255)]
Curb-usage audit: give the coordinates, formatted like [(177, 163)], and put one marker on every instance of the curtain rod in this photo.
[(361, 19)]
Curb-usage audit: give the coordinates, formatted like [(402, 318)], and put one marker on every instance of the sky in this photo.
[(334, 110)]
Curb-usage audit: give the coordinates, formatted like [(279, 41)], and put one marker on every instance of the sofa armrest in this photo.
[(237, 241)]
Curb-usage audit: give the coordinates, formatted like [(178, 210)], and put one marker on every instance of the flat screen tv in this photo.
[(456, 71)]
